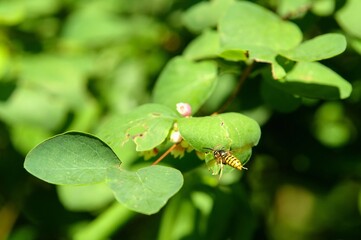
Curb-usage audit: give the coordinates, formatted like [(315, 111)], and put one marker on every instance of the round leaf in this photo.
[(349, 17), (146, 190), (228, 131), (248, 26), (204, 46), (71, 158), (183, 80), (148, 126), (205, 14), (318, 48), (86, 197), (314, 80)]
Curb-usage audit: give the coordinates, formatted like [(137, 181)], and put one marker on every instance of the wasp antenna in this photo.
[(208, 148)]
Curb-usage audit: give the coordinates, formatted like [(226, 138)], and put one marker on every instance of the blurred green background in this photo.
[(65, 65)]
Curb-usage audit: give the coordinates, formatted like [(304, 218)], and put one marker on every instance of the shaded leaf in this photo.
[(278, 99), (146, 190), (314, 80), (71, 158)]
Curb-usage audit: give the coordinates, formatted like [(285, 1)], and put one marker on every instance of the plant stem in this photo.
[(242, 79), (165, 154), (105, 224)]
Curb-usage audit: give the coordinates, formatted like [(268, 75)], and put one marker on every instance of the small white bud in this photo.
[(184, 109)]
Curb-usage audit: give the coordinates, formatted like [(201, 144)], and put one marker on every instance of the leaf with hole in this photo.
[(228, 131), (147, 126)]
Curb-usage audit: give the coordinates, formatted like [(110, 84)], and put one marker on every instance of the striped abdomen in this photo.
[(227, 158)]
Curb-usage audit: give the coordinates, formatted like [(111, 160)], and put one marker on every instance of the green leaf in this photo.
[(204, 46), (11, 13), (349, 17), (106, 27), (292, 9), (224, 131), (86, 197), (71, 158), (314, 80), (26, 137), (186, 81), (331, 125), (323, 7), (146, 190), (62, 77), (247, 26), (318, 48), (33, 107), (147, 126), (205, 14), (277, 98)]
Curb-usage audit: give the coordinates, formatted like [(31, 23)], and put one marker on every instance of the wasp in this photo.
[(224, 157)]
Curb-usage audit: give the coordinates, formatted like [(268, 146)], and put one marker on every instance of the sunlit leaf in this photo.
[(71, 158), (204, 46), (33, 107), (247, 26), (62, 77), (318, 48), (293, 9), (349, 17), (332, 127), (323, 7), (224, 131), (185, 81), (105, 27), (85, 198), (147, 126), (11, 13), (205, 14)]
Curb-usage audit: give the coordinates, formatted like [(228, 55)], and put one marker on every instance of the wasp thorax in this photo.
[(223, 153), (217, 154)]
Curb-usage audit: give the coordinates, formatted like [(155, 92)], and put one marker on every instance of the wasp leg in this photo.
[(221, 171)]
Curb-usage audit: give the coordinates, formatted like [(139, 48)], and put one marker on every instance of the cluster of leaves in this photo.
[(183, 79), (240, 47)]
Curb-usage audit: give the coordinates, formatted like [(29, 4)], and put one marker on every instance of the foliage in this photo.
[(160, 83)]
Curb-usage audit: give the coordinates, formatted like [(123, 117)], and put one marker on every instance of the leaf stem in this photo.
[(242, 79), (165, 154), (111, 220)]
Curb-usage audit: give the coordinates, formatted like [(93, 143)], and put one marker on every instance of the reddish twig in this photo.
[(242, 79), (165, 154)]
